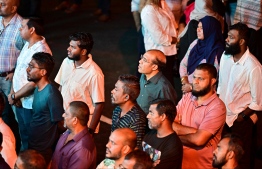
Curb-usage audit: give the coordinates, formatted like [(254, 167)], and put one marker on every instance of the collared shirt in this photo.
[(240, 85), (158, 27), (183, 65), (134, 119), (84, 83), (80, 152), (249, 12), (10, 46), (209, 116), (8, 152), (20, 75), (157, 87)]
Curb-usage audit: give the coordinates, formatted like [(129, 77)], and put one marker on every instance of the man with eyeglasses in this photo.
[(21, 94), (153, 84), (47, 106)]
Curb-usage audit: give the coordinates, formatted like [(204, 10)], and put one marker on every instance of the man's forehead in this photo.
[(233, 32)]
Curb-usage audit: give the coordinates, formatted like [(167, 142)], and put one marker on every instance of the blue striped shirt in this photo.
[(135, 119)]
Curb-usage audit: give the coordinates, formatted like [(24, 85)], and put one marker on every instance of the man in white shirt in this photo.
[(81, 79), (21, 94), (239, 88)]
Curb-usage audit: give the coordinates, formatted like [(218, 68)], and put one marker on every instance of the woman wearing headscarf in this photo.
[(207, 48), (159, 30)]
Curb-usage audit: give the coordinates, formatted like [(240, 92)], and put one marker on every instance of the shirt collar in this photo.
[(155, 78), (242, 60), (206, 102), (86, 64), (78, 136), (12, 21)]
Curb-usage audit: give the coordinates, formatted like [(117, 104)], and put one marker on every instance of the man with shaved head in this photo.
[(121, 142), (10, 42), (153, 84), (76, 147)]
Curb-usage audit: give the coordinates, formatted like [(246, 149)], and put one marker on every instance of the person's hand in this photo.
[(240, 118), (18, 103), (10, 100), (178, 119), (9, 77), (187, 87)]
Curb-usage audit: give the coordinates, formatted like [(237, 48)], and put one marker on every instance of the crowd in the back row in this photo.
[(220, 84)]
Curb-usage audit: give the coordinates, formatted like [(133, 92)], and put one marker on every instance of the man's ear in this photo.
[(43, 72), (155, 67), (213, 81), (83, 52), (231, 154), (14, 9), (242, 42), (126, 97), (32, 30), (126, 149)]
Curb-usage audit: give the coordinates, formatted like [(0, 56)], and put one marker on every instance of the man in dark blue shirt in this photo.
[(47, 105)]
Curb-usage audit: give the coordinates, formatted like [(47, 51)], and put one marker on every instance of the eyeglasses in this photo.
[(32, 67), (144, 59)]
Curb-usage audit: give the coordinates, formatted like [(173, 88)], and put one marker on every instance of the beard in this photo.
[(202, 92), (232, 49), (219, 163), (74, 57), (115, 156)]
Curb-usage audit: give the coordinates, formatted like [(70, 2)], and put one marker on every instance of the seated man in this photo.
[(76, 147), (228, 153), (162, 143), (201, 116), (137, 159), (120, 143), (30, 159)]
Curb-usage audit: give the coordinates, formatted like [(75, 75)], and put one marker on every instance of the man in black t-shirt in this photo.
[(162, 143)]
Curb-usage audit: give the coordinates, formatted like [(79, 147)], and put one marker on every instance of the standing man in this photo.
[(162, 143), (10, 42), (81, 79), (228, 153), (200, 120), (76, 147), (121, 142), (153, 84), (21, 94), (240, 89), (47, 105), (128, 114)]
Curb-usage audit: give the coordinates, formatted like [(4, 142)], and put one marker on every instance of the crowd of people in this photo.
[(211, 126)]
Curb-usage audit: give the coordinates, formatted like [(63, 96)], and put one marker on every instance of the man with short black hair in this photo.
[(162, 143), (128, 114), (76, 147), (240, 77), (153, 84), (200, 120), (137, 159), (30, 159), (228, 153), (47, 106), (80, 78)]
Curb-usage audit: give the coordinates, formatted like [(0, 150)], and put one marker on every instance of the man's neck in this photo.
[(152, 74), (164, 130), (34, 40), (201, 99), (7, 19), (83, 58), (126, 107), (119, 161), (230, 165), (238, 56), (41, 84)]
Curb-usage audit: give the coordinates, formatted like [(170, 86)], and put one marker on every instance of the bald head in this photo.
[(128, 136), (158, 58)]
